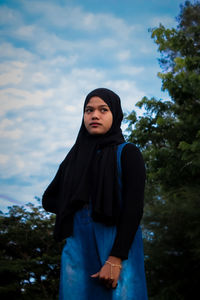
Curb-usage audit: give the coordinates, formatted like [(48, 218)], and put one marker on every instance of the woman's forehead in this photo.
[(97, 101)]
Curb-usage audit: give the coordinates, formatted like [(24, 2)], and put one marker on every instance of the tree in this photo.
[(169, 135), (30, 259)]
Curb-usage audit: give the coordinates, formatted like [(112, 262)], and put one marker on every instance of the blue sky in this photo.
[(52, 54)]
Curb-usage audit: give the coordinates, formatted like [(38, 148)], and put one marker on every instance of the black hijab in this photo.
[(88, 173)]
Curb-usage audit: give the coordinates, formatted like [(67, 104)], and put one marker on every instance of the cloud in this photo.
[(131, 70), (164, 20), (76, 18), (9, 52), (123, 55), (52, 56), (4, 159), (11, 73), (13, 99), (11, 134), (6, 200), (26, 32), (9, 16)]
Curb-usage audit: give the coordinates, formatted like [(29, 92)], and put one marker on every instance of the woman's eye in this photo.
[(88, 110)]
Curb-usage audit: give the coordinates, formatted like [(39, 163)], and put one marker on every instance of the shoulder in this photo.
[(130, 150), (131, 156)]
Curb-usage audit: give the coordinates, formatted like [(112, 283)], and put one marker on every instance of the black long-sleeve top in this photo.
[(133, 183)]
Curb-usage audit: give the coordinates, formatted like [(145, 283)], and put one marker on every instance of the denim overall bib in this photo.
[(86, 252)]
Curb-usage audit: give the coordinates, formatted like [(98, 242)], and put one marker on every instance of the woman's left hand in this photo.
[(108, 274)]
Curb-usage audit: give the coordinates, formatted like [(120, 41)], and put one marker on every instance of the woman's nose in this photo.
[(95, 115)]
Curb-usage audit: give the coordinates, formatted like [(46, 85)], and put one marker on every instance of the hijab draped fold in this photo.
[(88, 172)]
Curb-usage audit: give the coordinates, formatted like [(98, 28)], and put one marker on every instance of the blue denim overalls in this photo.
[(86, 252)]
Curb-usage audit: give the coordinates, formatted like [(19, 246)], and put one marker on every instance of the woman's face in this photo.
[(98, 117)]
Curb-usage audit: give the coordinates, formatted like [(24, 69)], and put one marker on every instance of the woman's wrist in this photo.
[(115, 260)]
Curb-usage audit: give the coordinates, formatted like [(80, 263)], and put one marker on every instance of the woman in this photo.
[(97, 196)]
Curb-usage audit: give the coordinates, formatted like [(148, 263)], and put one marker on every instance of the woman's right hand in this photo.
[(109, 274)]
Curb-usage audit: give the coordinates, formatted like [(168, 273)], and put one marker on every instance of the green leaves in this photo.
[(168, 134), (30, 258)]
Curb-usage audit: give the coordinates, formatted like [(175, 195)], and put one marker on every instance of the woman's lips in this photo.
[(95, 124)]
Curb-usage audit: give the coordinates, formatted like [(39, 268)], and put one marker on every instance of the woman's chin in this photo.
[(95, 131)]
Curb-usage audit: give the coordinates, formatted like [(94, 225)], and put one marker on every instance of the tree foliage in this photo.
[(29, 264), (169, 135)]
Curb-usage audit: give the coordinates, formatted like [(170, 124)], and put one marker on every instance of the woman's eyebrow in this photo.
[(102, 105)]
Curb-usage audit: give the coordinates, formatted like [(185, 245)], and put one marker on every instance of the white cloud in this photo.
[(9, 16), (108, 43), (6, 123), (123, 55), (67, 60), (131, 70), (164, 20), (41, 78), (13, 98), (75, 17), (4, 159), (49, 67), (8, 51), (128, 92), (11, 73), (10, 134), (70, 109), (26, 32)]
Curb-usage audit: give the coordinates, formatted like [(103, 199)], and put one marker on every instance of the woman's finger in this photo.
[(107, 282), (95, 275), (114, 284)]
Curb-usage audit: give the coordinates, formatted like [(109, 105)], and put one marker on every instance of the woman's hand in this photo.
[(109, 274)]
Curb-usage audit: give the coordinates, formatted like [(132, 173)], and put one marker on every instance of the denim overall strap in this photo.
[(119, 169)]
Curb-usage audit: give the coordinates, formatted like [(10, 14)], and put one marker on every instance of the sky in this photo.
[(52, 54)]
